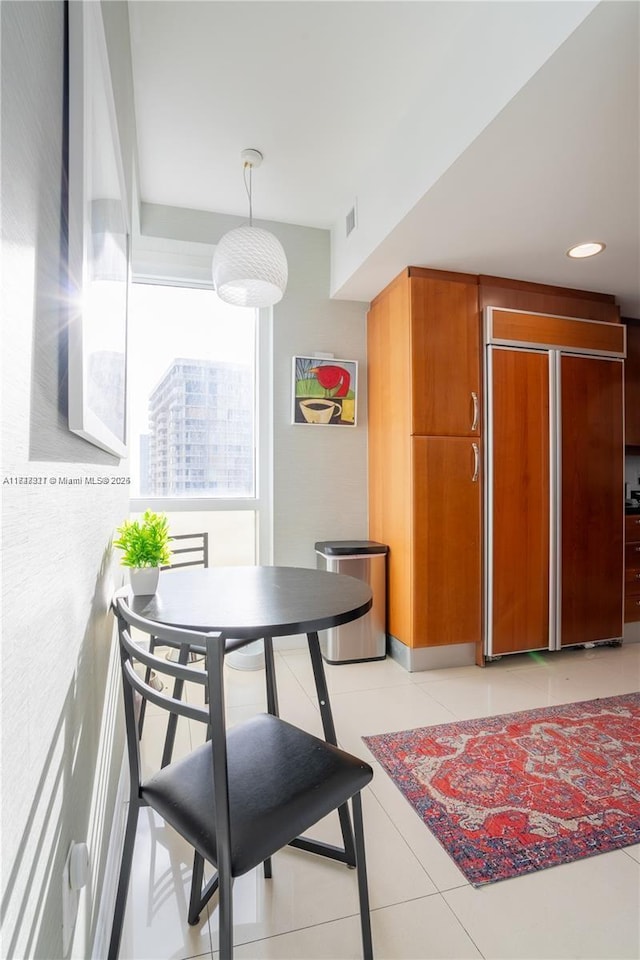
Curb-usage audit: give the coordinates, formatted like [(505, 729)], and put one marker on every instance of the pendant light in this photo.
[(249, 264)]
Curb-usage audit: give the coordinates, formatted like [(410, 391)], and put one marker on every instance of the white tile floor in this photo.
[(422, 907)]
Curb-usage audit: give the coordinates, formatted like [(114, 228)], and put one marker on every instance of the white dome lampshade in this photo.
[(250, 268), (249, 264)]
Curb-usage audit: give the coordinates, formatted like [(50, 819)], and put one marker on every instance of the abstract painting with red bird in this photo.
[(324, 391)]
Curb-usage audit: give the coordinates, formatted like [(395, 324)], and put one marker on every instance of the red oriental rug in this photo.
[(521, 792)]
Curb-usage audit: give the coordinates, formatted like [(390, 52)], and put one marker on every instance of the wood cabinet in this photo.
[(423, 335), (632, 385), (539, 298), (445, 355), (446, 540), (543, 566), (632, 569)]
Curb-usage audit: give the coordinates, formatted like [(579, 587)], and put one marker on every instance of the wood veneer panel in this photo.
[(592, 477), (632, 556), (533, 329), (632, 385), (447, 542), (632, 579), (389, 405), (632, 528), (430, 274), (631, 609), (519, 576), (445, 351), (542, 298)]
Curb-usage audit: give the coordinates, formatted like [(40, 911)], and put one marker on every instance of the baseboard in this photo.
[(105, 834), (106, 908), (415, 659)]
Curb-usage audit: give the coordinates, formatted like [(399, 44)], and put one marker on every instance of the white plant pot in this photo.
[(144, 580)]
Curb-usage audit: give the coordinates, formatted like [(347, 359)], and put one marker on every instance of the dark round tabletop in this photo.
[(254, 602)]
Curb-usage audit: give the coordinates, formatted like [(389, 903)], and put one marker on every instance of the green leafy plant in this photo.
[(145, 543)]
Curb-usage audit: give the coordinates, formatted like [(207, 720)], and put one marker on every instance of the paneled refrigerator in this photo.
[(554, 534)]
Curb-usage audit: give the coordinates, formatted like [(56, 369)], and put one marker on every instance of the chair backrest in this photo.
[(193, 551), (212, 678)]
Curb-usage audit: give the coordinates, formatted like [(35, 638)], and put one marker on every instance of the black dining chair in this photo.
[(244, 794), (193, 551)]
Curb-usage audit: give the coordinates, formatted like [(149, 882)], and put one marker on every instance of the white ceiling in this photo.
[(476, 136)]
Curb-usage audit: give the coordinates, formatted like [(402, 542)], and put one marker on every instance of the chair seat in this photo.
[(282, 780)]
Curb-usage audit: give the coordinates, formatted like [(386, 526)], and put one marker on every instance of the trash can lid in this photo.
[(342, 548)]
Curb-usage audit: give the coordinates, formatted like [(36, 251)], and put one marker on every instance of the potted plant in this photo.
[(145, 548)]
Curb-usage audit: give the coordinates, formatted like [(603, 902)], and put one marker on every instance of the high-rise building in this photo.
[(201, 424), (145, 489)]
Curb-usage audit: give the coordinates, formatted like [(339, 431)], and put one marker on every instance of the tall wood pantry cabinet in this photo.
[(424, 454), (511, 540)]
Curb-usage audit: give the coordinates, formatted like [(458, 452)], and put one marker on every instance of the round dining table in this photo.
[(253, 602), (260, 603)]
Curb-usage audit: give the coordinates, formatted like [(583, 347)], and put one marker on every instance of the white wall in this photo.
[(59, 688), (319, 473)]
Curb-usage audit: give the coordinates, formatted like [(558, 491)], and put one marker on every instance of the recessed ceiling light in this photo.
[(582, 250)]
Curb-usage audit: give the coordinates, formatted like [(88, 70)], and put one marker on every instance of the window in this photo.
[(225, 491), (192, 387)]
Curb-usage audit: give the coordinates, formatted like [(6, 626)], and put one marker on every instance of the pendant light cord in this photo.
[(248, 188)]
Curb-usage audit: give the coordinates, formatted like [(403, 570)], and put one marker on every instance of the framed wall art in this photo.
[(98, 241), (325, 391)]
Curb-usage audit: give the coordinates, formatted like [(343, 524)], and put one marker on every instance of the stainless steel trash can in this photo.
[(366, 638)]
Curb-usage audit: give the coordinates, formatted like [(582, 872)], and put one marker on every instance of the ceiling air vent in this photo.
[(350, 220)]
